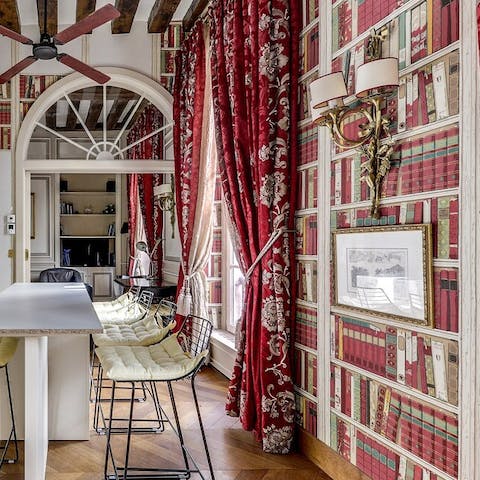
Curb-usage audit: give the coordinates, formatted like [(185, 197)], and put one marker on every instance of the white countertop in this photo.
[(33, 309)]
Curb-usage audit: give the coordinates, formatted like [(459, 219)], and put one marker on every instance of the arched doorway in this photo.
[(101, 155)]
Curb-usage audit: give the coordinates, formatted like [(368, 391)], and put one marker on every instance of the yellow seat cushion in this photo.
[(129, 313), (120, 302), (8, 346), (141, 332), (163, 361)]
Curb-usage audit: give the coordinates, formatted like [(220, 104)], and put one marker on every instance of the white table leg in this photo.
[(36, 407)]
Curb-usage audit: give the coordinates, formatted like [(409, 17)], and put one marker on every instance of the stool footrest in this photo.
[(151, 473)]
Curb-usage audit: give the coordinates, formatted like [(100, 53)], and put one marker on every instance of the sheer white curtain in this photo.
[(193, 297)]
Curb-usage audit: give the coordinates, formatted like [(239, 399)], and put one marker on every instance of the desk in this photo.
[(36, 311), (160, 289)]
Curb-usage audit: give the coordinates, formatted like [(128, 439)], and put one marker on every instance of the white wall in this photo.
[(132, 51), (6, 208)]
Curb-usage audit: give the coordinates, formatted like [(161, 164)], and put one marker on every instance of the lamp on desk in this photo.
[(142, 246), (375, 80), (165, 195)]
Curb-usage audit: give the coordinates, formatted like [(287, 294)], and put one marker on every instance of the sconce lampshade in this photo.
[(162, 190), (377, 74), (326, 88)]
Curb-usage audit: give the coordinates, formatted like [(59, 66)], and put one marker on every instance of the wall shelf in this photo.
[(397, 386), (393, 446)]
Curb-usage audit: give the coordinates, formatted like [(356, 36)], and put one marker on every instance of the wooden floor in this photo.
[(235, 454)]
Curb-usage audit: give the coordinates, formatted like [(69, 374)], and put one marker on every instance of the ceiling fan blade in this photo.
[(17, 68), (94, 20), (83, 68), (6, 32)]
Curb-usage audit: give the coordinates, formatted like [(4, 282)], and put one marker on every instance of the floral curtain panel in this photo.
[(141, 185), (195, 158), (254, 77)]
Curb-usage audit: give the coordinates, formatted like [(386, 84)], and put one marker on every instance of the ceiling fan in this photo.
[(46, 49)]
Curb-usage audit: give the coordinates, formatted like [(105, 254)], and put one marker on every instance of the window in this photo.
[(234, 284)]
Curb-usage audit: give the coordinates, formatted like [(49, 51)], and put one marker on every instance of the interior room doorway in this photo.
[(79, 130)]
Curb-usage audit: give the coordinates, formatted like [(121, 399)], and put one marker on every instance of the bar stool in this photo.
[(179, 356), (129, 313), (8, 346), (146, 331), (122, 301)]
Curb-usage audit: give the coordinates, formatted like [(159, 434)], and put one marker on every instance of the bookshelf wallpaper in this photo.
[(393, 386)]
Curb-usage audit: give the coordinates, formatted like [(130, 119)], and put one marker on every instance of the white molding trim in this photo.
[(120, 77), (469, 239), (323, 239)]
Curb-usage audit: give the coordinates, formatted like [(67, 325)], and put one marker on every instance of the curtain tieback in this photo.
[(184, 300), (274, 236)]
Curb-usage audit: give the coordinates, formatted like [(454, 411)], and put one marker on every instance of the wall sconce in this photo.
[(166, 198), (375, 80)]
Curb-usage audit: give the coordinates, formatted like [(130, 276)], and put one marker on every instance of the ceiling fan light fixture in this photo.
[(46, 48)]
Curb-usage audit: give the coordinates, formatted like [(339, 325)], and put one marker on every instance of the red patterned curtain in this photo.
[(254, 78), (478, 23), (141, 185), (188, 111)]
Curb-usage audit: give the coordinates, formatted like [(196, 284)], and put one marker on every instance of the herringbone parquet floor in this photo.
[(235, 454)]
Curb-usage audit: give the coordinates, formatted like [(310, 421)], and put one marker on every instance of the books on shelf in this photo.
[(342, 24), (173, 36), (306, 235), (307, 144), (304, 96), (305, 373), (428, 432), (309, 50), (217, 241), (5, 113), (412, 35), (214, 266), (31, 86), (306, 326), (400, 355), (215, 288), (5, 138), (306, 414), (215, 314), (419, 164), (310, 11), (307, 280), (307, 189), (5, 90)]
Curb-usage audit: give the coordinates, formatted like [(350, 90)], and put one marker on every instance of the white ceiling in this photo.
[(27, 10)]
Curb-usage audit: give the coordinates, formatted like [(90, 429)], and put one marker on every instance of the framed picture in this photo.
[(385, 271)]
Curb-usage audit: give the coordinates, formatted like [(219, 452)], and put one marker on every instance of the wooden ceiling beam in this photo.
[(52, 16), (195, 10), (161, 15), (9, 15), (84, 8), (127, 9), (94, 95), (117, 110), (51, 117), (71, 117), (95, 108)]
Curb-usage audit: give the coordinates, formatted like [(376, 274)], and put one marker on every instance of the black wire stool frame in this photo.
[(201, 339), (13, 431)]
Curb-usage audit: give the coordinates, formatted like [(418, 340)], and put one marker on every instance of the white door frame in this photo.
[(120, 77)]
